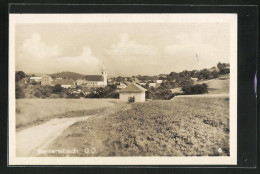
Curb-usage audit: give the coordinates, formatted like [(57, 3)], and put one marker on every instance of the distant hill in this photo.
[(68, 75)]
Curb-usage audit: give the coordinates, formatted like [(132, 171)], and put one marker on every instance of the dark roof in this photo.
[(63, 82), (94, 78), (133, 88)]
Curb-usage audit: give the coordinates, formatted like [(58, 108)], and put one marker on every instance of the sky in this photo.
[(125, 49)]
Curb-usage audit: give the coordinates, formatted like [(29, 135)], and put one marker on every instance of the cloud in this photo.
[(190, 50), (34, 55), (130, 56), (125, 46), (85, 57), (35, 48)]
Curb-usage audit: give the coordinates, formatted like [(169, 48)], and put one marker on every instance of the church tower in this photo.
[(104, 74)]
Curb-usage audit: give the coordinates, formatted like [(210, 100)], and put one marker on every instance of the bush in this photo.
[(19, 75), (19, 91), (38, 94), (57, 89), (113, 95), (131, 99), (224, 71), (196, 89)]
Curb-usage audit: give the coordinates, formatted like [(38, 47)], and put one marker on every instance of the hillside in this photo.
[(68, 75), (219, 85), (180, 127)]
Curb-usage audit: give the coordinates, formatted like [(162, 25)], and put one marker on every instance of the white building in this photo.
[(121, 85), (46, 80), (35, 79), (133, 90)]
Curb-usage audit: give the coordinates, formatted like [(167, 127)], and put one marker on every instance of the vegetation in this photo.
[(108, 92), (180, 127), (195, 89), (159, 93), (68, 75), (131, 99), (33, 111)]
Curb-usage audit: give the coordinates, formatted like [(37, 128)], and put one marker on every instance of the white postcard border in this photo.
[(230, 18)]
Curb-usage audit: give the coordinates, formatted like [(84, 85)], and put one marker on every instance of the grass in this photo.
[(180, 127), (219, 85), (34, 111)]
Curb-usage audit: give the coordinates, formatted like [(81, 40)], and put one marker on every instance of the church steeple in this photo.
[(104, 74)]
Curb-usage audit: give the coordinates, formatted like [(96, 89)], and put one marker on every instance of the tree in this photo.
[(215, 74), (19, 75), (18, 91), (195, 89), (57, 89)]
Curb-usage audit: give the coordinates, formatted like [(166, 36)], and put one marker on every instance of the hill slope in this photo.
[(68, 75), (219, 85), (181, 127)]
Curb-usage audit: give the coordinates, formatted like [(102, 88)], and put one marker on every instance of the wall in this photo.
[(139, 97)]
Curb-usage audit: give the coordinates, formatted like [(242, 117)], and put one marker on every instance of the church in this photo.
[(94, 80)]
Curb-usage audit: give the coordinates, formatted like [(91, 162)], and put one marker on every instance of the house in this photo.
[(194, 79), (157, 81), (35, 79), (121, 85), (133, 90), (65, 83), (96, 80), (46, 80), (141, 83), (177, 91), (155, 85), (81, 82)]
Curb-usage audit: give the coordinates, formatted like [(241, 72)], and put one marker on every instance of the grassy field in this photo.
[(34, 111), (180, 127), (219, 85)]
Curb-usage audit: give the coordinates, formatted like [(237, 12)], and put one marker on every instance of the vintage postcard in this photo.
[(123, 89)]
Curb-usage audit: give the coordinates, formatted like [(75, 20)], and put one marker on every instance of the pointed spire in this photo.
[(103, 67)]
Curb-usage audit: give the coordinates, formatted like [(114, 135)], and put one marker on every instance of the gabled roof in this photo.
[(133, 88), (63, 82), (94, 78)]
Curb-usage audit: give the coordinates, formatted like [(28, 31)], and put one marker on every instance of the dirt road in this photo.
[(33, 139)]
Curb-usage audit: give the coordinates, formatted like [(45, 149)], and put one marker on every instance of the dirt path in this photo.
[(29, 140)]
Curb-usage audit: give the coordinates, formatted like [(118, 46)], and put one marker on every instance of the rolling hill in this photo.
[(68, 75)]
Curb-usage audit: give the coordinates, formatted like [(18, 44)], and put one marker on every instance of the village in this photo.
[(136, 88)]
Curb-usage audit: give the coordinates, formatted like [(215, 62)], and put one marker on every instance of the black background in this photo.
[(247, 59)]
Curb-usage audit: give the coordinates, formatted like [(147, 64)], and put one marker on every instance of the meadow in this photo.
[(179, 127), (35, 111)]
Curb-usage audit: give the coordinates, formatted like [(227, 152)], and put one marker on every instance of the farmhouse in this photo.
[(65, 83), (35, 79), (155, 85), (133, 90)]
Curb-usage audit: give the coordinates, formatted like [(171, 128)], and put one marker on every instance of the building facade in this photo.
[(95, 80), (46, 80), (133, 90)]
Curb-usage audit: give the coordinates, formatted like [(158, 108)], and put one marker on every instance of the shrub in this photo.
[(38, 94), (57, 88), (18, 91), (196, 89), (224, 71), (113, 95), (131, 99), (19, 75)]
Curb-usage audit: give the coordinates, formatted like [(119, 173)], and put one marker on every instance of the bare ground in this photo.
[(29, 140)]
